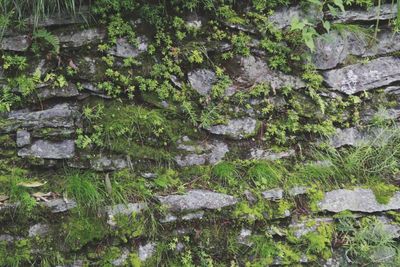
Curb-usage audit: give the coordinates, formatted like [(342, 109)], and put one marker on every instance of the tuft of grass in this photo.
[(375, 160), (85, 189), (266, 174), (227, 173)]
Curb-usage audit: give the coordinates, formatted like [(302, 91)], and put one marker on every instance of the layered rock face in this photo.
[(211, 139)]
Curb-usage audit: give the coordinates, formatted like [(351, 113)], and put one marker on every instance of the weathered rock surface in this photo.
[(201, 153), (18, 43), (282, 18), (273, 194), (49, 150), (60, 205), (105, 163), (259, 153), (362, 200), (334, 47), (67, 91), (146, 251), (331, 49), (84, 37), (60, 115), (304, 227), (38, 229), (359, 77), (236, 128), (348, 136), (121, 260), (251, 70), (123, 209), (197, 199), (386, 12), (23, 138), (202, 80), (124, 49)]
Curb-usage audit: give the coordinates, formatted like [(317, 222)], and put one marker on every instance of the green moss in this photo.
[(82, 230), (383, 192)]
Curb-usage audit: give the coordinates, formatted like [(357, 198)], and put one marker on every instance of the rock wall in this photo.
[(125, 153)]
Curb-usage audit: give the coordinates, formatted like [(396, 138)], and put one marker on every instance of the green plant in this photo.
[(42, 39), (84, 188), (368, 242)]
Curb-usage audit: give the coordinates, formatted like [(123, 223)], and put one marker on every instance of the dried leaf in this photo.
[(3, 198), (31, 184)]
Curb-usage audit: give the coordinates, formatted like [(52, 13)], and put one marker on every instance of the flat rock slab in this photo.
[(67, 91), (60, 205), (111, 163), (360, 77), (84, 37), (273, 194), (361, 200), (247, 71), (282, 18), (202, 80), (386, 12), (124, 49), (61, 115), (18, 43), (333, 48), (49, 150), (197, 199), (236, 128), (201, 153)]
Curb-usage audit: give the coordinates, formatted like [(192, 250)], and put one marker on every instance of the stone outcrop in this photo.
[(236, 128), (84, 37), (49, 150), (359, 200), (200, 153), (359, 77), (197, 199)]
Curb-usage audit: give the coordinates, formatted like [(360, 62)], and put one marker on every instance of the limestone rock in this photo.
[(67, 91), (197, 199), (298, 190), (202, 80), (81, 38), (18, 43), (359, 77), (121, 260), (105, 163), (244, 237), (193, 216), (123, 209), (304, 227), (247, 71), (387, 11), (201, 153), (273, 194), (60, 205), (334, 47), (23, 138), (236, 128), (348, 136), (49, 150), (38, 229), (124, 49), (146, 251), (282, 18), (259, 153), (362, 200), (61, 115), (330, 50)]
